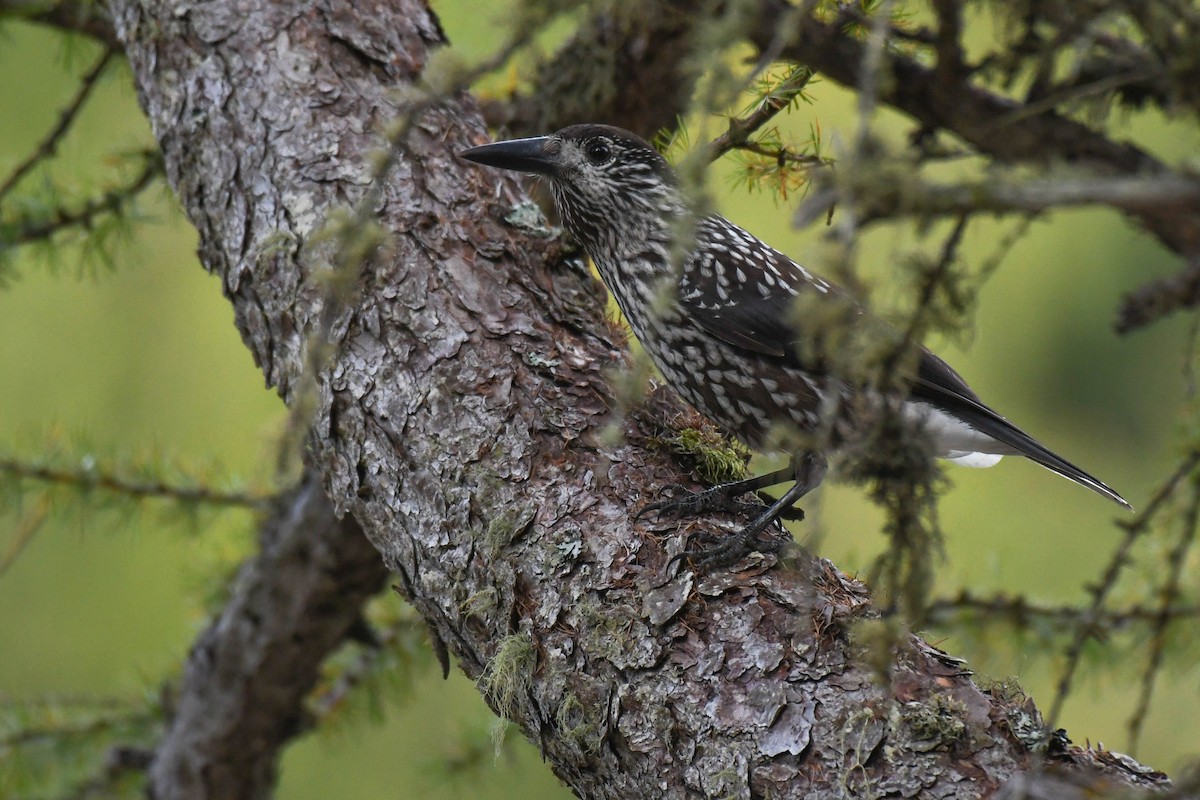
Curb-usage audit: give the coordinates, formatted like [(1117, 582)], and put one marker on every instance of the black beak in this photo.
[(538, 155)]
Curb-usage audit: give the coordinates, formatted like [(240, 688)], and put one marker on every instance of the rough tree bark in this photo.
[(459, 421), (632, 73), (240, 699), (242, 691)]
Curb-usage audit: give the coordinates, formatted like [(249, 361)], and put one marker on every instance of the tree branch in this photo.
[(1116, 564), (78, 16), (461, 419), (60, 219), (49, 145), (994, 125), (1021, 612), (903, 195), (240, 699), (740, 129), (1157, 299), (88, 478), (627, 70)]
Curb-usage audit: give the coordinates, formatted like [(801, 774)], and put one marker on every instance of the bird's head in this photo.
[(611, 188)]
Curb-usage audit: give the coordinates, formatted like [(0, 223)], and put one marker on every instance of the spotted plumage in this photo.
[(719, 320)]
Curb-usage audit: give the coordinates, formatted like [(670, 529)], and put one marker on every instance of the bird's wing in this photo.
[(724, 298), (756, 324), (751, 303), (764, 323)]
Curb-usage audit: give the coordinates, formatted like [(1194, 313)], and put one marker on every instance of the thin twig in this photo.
[(99, 723), (1004, 193), (1019, 611), (1053, 101), (1155, 300), (26, 529), (913, 531), (872, 58), (1168, 594), (49, 145), (109, 202), (948, 39), (781, 154), (857, 16), (934, 278), (91, 479), (1101, 591), (740, 129), (333, 696)]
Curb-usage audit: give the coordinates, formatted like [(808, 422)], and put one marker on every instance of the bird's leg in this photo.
[(717, 498), (807, 470)]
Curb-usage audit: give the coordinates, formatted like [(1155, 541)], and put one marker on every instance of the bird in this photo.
[(721, 315)]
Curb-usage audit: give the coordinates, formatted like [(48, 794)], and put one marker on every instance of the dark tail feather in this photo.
[(987, 421)]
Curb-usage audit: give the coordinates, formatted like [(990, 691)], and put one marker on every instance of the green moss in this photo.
[(573, 722), (529, 218), (713, 457), (481, 604), (730, 777), (278, 241), (937, 724), (506, 526), (605, 635), (539, 360), (510, 673)]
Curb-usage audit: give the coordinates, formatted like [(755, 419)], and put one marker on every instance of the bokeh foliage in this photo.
[(118, 359)]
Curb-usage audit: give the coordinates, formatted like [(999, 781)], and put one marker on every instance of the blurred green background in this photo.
[(144, 358)]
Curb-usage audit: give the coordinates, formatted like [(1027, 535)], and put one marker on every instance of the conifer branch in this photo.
[(335, 694), (77, 16), (85, 727), (977, 114), (783, 154), (1020, 611), (31, 522), (1168, 596), (1100, 592), (88, 479), (49, 145), (46, 729), (773, 101), (112, 201)]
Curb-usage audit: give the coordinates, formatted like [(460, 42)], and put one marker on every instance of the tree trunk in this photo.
[(460, 420), (241, 695)]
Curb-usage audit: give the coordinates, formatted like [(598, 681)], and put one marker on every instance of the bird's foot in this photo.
[(707, 550), (693, 504)]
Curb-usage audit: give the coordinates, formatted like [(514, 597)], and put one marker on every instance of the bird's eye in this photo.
[(598, 152)]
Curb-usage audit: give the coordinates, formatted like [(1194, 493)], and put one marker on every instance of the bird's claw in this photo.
[(708, 552), (692, 504), (659, 506)]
